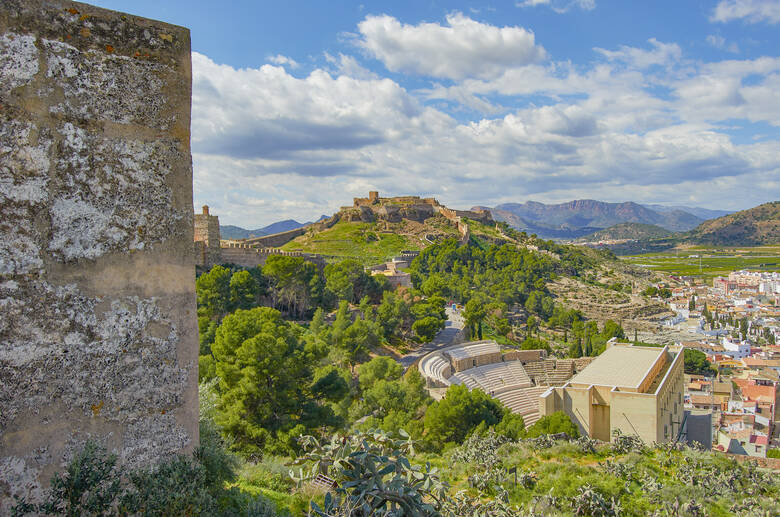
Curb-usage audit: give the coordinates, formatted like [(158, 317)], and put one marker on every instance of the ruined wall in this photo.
[(98, 333)]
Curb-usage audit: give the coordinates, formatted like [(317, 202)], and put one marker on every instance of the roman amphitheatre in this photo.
[(515, 377)]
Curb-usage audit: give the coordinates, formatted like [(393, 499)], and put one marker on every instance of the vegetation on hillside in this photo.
[(756, 226), (627, 231), (292, 370)]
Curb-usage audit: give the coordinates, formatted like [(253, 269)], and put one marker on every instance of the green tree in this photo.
[(558, 422), (612, 329), (696, 363), (378, 368), (473, 315), (512, 426), (295, 283), (348, 280), (244, 290), (213, 292), (330, 383), (535, 343), (453, 417), (427, 328), (261, 363)]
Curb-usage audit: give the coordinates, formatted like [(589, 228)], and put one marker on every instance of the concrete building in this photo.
[(637, 390), (735, 348)]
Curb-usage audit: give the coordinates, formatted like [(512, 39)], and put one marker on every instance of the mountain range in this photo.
[(585, 216), (236, 232)]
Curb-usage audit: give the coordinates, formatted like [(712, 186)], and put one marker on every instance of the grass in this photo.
[(560, 471), (712, 261), (354, 240)]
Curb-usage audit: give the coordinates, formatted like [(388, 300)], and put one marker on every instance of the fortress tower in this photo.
[(207, 238)]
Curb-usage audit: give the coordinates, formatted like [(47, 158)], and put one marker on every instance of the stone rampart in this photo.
[(98, 335), (247, 256), (277, 239)]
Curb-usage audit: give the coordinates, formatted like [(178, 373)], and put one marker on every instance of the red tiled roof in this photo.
[(761, 393), (759, 440)]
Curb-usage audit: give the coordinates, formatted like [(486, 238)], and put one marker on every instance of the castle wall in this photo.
[(277, 239), (98, 334)]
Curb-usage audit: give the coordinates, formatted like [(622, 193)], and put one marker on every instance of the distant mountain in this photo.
[(636, 231), (236, 232), (755, 226), (582, 217), (702, 213)]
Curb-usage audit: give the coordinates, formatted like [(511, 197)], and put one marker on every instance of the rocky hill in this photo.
[(756, 226), (584, 216), (627, 231), (374, 229)]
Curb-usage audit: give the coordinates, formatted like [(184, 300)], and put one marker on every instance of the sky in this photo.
[(298, 107)]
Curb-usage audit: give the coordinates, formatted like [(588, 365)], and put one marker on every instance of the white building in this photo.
[(735, 348)]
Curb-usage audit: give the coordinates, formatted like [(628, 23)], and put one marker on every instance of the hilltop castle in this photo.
[(415, 208)]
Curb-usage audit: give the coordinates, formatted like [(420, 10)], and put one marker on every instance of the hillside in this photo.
[(582, 217), (627, 231), (756, 226), (236, 232)]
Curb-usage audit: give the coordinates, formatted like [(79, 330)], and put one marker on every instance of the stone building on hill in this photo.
[(632, 389), (210, 249)]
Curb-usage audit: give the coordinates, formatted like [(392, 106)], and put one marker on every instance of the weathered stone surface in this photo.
[(97, 307)]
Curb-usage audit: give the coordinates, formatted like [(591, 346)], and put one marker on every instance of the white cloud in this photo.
[(269, 146), (720, 43), (349, 66), (750, 11), (462, 48), (283, 60), (560, 6), (660, 54)]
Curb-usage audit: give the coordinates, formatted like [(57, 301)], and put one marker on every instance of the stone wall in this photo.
[(207, 238), (247, 256), (277, 239), (98, 334)]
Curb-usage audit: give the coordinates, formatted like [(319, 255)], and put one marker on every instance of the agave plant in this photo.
[(589, 501), (625, 443), (373, 476)]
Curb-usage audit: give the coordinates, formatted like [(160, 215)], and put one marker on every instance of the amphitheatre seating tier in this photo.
[(494, 378), (436, 368), (524, 401), (478, 353)]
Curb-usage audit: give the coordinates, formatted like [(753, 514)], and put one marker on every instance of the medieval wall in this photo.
[(277, 239), (98, 334)]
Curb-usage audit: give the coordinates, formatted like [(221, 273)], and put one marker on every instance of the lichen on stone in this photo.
[(114, 195), (24, 178), (107, 86), (18, 60)]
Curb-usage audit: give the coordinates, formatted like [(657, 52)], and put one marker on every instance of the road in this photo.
[(446, 336)]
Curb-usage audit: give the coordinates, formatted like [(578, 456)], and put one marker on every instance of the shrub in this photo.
[(92, 484), (558, 422)]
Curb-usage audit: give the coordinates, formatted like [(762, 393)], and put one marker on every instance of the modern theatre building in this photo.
[(637, 390)]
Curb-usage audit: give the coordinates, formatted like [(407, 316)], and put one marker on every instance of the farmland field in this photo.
[(709, 262)]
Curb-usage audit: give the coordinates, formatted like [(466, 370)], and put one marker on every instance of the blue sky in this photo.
[(299, 106)]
